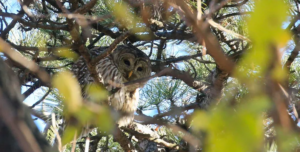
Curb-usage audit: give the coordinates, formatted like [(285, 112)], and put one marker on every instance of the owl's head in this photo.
[(131, 62)]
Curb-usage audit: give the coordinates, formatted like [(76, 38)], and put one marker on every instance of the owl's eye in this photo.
[(139, 69), (127, 62)]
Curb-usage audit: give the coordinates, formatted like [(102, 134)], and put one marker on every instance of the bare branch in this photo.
[(12, 24), (123, 140), (30, 65), (86, 7), (37, 84), (220, 27), (292, 57), (111, 48), (42, 99), (237, 4), (43, 26)]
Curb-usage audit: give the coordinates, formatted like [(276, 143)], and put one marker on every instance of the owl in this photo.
[(125, 64)]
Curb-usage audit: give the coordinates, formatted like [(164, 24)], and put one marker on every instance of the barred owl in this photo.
[(125, 64)]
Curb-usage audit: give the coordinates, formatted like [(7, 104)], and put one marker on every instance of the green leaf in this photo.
[(69, 134), (267, 35), (96, 92), (233, 130), (66, 53), (104, 120)]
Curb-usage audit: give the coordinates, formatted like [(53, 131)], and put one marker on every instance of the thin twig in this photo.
[(88, 6), (112, 47), (178, 59), (37, 84), (30, 65), (42, 99), (74, 142), (56, 132), (204, 61), (221, 28)]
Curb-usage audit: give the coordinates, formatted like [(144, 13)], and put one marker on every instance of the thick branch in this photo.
[(42, 99), (121, 138), (86, 7), (144, 132), (111, 48), (16, 126), (34, 87), (43, 26), (292, 57), (12, 24), (175, 73)]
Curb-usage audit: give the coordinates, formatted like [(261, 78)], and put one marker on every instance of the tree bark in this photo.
[(18, 132)]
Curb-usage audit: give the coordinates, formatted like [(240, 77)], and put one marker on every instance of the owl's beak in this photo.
[(130, 74)]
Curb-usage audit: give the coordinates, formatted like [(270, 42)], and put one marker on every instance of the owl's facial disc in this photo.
[(140, 70), (126, 64), (132, 67)]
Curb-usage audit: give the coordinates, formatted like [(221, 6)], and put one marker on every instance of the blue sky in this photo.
[(31, 100)]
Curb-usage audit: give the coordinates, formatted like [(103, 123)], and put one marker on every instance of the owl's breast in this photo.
[(124, 100)]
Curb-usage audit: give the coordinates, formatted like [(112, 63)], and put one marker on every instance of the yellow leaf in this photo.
[(287, 141), (265, 24), (279, 74), (69, 88), (227, 126), (104, 120), (96, 92), (69, 134), (128, 19), (265, 30), (84, 115), (200, 120), (66, 53)]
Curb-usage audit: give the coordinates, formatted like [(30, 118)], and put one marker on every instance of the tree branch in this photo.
[(43, 26), (30, 65), (16, 124), (86, 7), (16, 18), (111, 48), (42, 99)]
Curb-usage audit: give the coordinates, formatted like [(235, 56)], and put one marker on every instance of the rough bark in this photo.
[(18, 132)]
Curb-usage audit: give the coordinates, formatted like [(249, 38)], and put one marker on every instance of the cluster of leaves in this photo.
[(233, 110)]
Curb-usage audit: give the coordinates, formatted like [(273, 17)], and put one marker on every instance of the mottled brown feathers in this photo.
[(113, 71)]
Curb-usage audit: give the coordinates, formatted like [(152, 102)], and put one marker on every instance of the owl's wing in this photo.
[(80, 70)]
